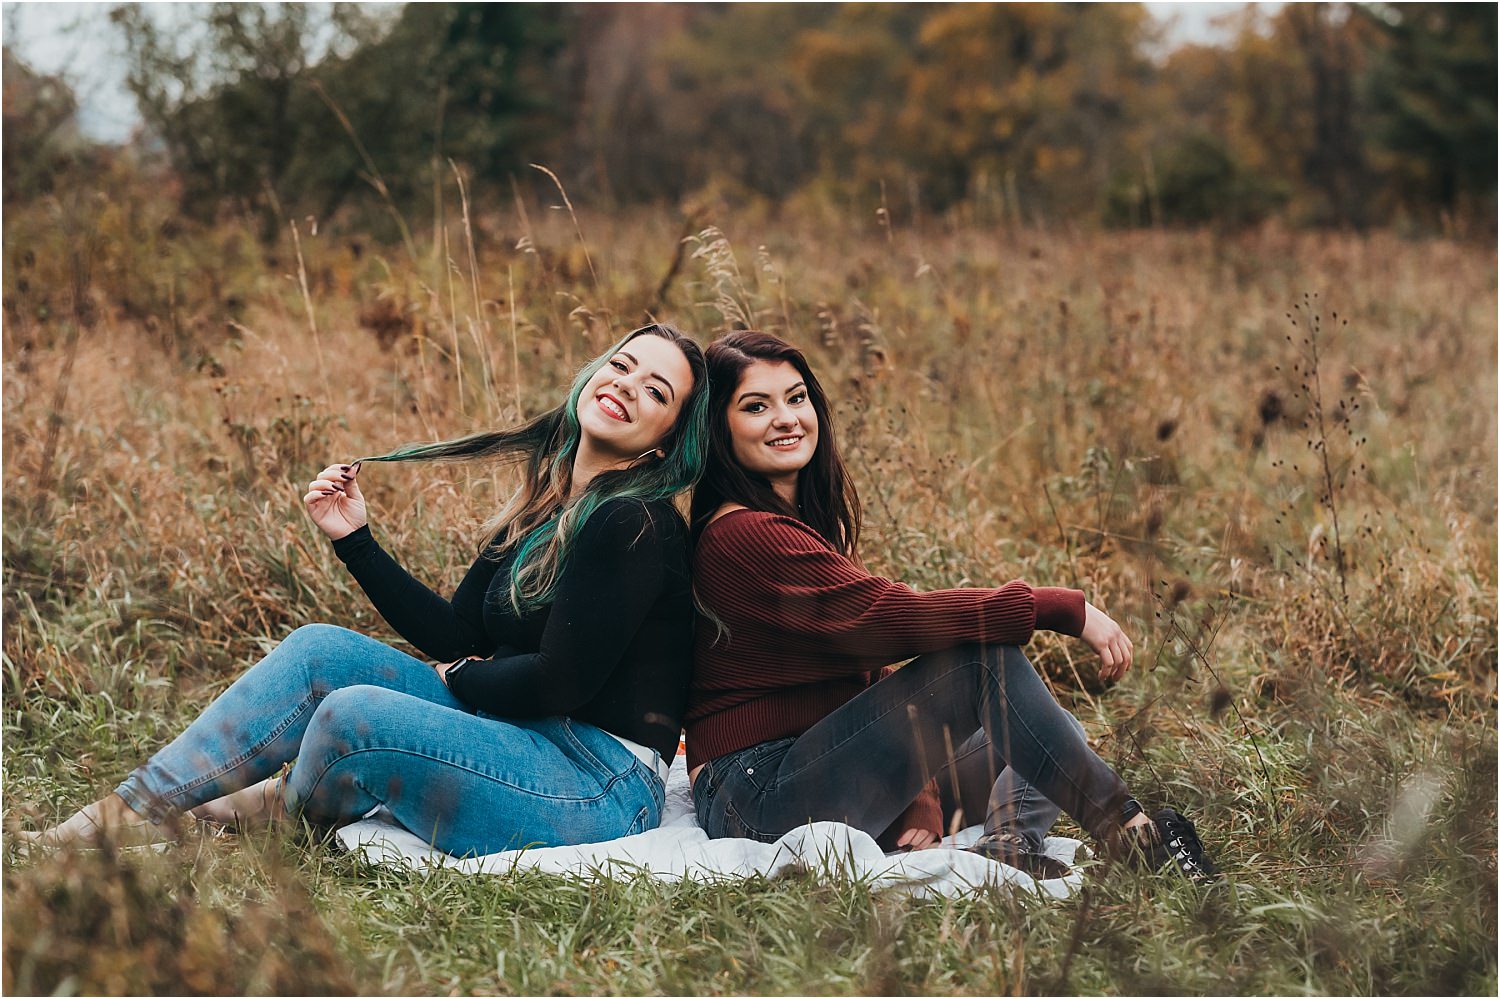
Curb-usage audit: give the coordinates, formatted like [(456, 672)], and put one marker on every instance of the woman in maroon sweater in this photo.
[(795, 714)]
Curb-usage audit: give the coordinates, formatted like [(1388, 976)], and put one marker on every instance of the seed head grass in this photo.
[(1118, 412)]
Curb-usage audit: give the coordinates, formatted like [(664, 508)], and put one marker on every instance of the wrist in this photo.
[(452, 671), (1060, 610), (356, 543)]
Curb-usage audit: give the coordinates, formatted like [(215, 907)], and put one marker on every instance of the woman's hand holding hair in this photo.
[(1109, 642), (334, 501)]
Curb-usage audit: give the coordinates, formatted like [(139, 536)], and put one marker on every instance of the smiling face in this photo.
[(773, 424), (631, 404)]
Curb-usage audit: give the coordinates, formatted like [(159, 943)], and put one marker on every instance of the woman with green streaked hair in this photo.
[(562, 658)]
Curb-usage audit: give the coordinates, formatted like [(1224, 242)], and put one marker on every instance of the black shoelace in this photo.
[(1182, 840)]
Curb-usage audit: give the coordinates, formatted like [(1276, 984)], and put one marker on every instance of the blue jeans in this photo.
[(369, 725), (866, 760)]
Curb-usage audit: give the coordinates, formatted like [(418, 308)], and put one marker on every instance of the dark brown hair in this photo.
[(826, 499)]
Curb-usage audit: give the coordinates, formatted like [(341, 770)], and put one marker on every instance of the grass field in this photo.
[(1271, 456)]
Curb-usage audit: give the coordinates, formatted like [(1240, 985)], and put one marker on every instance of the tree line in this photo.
[(1349, 115)]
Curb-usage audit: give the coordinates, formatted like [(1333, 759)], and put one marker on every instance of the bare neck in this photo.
[(589, 462), (786, 488)]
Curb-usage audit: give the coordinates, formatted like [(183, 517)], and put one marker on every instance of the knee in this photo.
[(313, 645), (345, 754), (344, 719), (1000, 665), (1013, 663), (331, 657), (996, 660)]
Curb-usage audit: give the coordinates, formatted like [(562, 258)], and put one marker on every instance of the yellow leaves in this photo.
[(1051, 160)]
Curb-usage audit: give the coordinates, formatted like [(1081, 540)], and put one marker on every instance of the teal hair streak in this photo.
[(534, 578), (647, 480)]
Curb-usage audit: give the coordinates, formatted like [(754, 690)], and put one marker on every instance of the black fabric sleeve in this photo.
[(609, 584), (442, 629)]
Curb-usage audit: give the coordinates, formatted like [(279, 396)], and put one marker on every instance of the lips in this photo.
[(612, 407), (784, 443)]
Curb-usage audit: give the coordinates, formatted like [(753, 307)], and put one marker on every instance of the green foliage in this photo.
[(1327, 114), (478, 83), (282, 112), (228, 107), (1432, 88), (41, 128), (1195, 181)]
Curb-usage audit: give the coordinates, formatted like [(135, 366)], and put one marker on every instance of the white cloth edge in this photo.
[(679, 849)]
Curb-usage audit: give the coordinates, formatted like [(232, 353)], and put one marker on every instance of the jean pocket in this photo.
[(759, 765), (731, 826)]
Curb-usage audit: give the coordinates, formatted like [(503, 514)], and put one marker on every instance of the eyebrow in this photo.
[(652, 374), (767, 395)]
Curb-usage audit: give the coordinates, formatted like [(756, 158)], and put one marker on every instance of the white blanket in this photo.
[(679, 848)]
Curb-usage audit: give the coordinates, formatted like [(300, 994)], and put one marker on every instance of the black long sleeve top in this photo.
[(613, 649)]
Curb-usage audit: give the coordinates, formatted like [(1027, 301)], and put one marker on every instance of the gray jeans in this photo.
[(869, 758), (977, 785)]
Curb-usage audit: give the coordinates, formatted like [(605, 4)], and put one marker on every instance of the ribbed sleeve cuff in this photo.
[(353, 546), (1059, 609), (926, 812)]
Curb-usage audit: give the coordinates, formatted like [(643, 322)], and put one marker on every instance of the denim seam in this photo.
[(567, 727), (459, 766), (658, 789), (756, 833), (737, 769), (1052, 760), (246, 756), (653, 784), (1023, 805)]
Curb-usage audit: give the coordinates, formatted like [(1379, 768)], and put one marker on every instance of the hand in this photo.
[(1109, 642), (917, 839), (443, 668), (334, 501)]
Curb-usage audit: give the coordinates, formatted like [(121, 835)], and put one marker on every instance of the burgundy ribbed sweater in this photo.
[(807, 629)]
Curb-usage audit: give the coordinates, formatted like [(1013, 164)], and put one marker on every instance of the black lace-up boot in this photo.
[(1171, 838)]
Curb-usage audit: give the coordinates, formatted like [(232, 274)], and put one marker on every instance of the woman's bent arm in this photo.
[(444, 630), (764, 570)]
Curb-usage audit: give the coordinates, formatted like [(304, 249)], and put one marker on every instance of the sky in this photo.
[(77, 42)]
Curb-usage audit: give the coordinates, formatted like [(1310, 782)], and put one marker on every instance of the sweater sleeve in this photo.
[(442, 629), (1059, 609), (609, 584), (775, 568), (925, 812)]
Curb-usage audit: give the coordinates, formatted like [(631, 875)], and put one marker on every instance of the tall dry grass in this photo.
[(1144, 415)]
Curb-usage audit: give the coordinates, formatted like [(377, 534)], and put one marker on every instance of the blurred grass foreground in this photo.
[(1267, 445)]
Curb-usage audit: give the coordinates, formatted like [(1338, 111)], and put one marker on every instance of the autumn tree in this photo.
[(1432, 91), (41, 130)]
